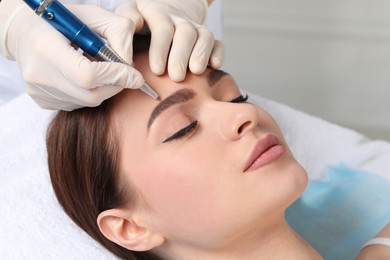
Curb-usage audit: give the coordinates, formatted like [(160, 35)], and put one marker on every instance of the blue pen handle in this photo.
[(78, 33), (68, 24)]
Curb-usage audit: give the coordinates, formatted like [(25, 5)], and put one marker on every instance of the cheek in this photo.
[(268, 123), (175, 186), (188, 194)]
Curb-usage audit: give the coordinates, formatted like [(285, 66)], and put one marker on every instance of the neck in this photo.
[(277, 242)]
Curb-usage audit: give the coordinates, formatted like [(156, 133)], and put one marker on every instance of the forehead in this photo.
[(164, 86)]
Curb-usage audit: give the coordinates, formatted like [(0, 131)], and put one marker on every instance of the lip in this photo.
[(266, 150)]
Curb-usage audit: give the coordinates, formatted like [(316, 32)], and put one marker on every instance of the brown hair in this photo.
[(83, 160)]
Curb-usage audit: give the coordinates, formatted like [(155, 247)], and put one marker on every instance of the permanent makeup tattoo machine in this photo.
[(78, 33)]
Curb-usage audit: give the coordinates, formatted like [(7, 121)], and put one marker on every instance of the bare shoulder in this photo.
[(377, 252)]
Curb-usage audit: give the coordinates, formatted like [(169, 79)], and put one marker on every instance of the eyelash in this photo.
[(182, 132), (188, 129), (240, 99)]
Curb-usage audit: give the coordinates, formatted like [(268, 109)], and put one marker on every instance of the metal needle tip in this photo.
[(149, 91)]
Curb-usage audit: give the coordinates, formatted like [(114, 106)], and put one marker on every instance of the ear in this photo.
[(118, 226)]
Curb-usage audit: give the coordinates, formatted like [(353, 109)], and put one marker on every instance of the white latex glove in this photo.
[(179, 22), (57, 75)]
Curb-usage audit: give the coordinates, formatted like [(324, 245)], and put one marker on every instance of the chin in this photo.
[(302, 178), (298, 182), (291, 182)]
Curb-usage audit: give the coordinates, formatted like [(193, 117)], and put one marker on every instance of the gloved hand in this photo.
[(57, 75), (180, 22)]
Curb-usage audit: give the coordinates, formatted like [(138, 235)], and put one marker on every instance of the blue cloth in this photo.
[(338, 215)]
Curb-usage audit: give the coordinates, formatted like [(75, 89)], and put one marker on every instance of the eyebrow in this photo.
[(214, 76), (183, 95), (177, 97)]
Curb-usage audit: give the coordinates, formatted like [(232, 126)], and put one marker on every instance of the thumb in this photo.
[(129, 9), (116, 74)]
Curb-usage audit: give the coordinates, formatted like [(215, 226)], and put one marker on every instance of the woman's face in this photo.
[(189, 158)]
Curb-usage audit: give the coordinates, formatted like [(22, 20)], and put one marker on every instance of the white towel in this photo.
[(33, 226)]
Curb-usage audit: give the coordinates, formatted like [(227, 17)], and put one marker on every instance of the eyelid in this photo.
[(182, 132)]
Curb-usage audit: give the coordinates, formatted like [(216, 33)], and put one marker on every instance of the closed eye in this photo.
[(188, 129), (182, 132), (240, 99)]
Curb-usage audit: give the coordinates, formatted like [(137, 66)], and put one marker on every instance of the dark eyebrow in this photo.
[(214, 76), (177, 97), (183, 95)]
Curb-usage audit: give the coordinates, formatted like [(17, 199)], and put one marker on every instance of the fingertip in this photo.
[(197, 68), (177, 70), (216, 62), (156, 66), (177, 76), (217, 55)]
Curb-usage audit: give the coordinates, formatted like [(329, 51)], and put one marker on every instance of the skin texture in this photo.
[(193, 196)]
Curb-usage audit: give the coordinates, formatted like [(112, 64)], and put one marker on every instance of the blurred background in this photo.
[(329, 58)]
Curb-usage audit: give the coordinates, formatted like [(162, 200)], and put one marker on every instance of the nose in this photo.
[(234, 120)]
